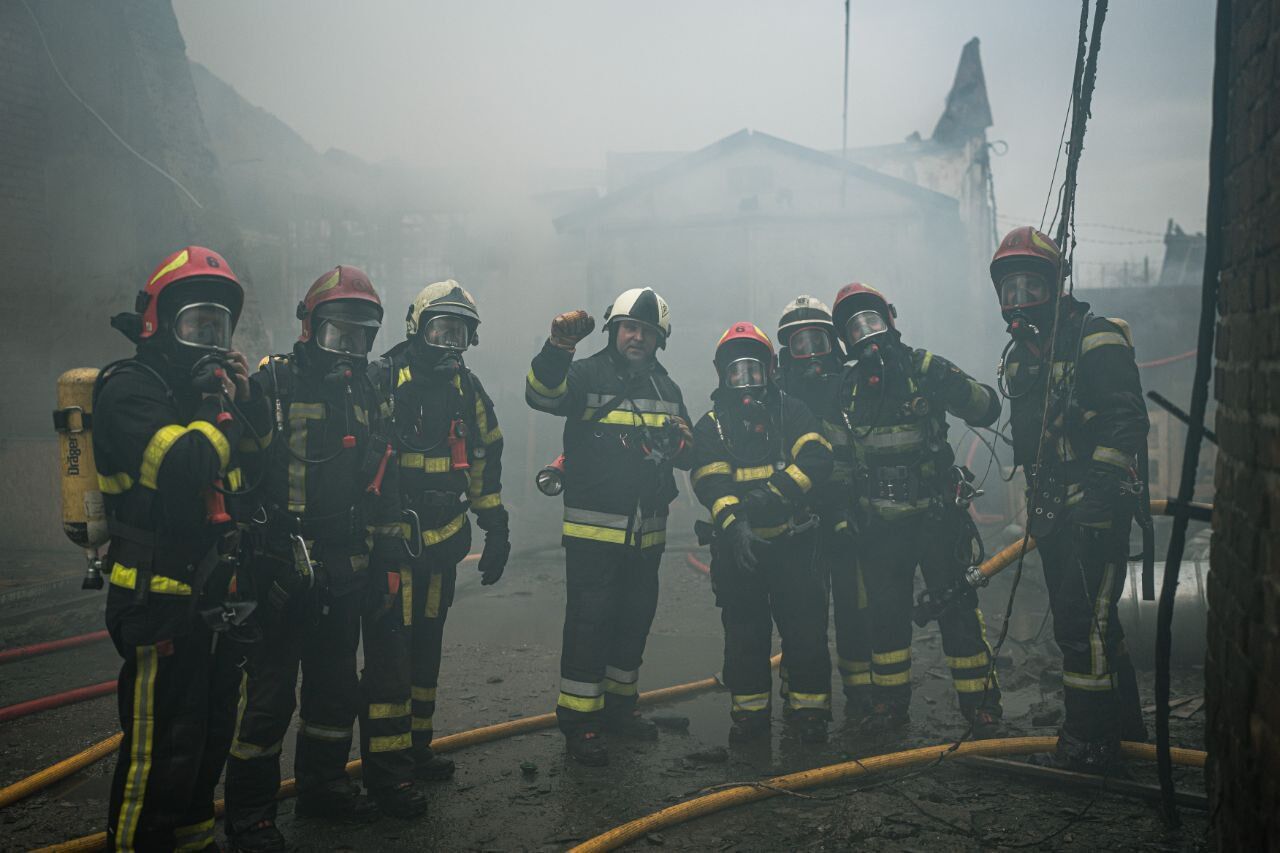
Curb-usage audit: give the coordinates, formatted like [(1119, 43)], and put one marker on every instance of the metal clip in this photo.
[(415, 531), (302, 560)]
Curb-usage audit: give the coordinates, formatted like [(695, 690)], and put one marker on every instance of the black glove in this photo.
[(493, 560), (760, 501), (740, 539), (381, 593), (1102, 496)]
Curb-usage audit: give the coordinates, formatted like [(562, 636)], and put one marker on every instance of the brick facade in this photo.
[(1243, 661)]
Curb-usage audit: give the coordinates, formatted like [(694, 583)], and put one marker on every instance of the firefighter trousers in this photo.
[(612, 595), (888, 557), (1085, 574), (852, 619), (322, 640), (788, 589), (177, 704), (402, 649)]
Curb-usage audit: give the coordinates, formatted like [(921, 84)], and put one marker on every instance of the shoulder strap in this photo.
[(123, 365)]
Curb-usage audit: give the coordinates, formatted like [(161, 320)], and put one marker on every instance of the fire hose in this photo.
[(21, 652), (288, 788), (56, 773), (57, 700), (749, 793)]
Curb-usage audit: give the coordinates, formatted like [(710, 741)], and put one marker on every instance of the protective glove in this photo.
[(1102, 495), (740, 540), (760, 501), (493, 559), (570, 327), (381, 593)]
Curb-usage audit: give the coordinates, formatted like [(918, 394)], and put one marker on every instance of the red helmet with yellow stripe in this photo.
[(194, 265), (1026, 269), (345, 283), (744, 342)]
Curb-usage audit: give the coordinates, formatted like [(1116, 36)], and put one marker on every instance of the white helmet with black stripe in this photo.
[(643, 305)]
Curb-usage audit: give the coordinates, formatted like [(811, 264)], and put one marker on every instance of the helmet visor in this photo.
[(204, 324), (744, 373), (448, 331), (1023, 290), (344, 337), (812, 342), (863, 326)]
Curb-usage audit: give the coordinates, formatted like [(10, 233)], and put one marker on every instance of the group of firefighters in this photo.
[(269, 520)]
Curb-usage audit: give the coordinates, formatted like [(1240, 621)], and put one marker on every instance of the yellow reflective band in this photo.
[(621, 418), (249, 444), (405, 375), (174, 264), (654, 539), (1111, 456), (329, 283), (143, 715), (805, 439), (841, 525), (422, 724), (192, 838), (424, 694), (798, 477), (306, 411), (115, 484), (893, 679), (438, 535), (127, 578), (593, 532), (1102, 339), (388, 710), (487, 436), (808, 700), (1084, 681), (390, 743), (730, 518), (886, 658), (709, 469), (583, 704), (724, 503), (429, 464), (155, 452), (971, 685), (398, 529), (216, 438), (542, 390), (434, 587), (475, 479), (855, 679), (746, 475), (926, 361), (487, 501), (619, 688), (329, 733), (771, 532), (406, 593), (847, 665), (235, 479), (297, 474), (248, 751), (968, 663), (750, 701)]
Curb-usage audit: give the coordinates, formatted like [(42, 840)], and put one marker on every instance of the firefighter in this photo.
[(810, 361), (321, 500), (1081, 458), (449, 458), (906, 496), (759, 457), (626, 427), (167, 423)]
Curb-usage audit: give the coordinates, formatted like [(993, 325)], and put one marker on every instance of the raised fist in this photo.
[(570, 327)]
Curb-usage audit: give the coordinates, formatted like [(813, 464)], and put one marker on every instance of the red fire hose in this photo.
[(57, 700), (52, 646), (695, 563)]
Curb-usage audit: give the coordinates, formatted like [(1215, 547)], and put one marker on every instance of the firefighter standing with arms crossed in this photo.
[(320, 549), (625, 428), (166, 426), (758, 457), (449, 455), (906, 501), (1079, 428)]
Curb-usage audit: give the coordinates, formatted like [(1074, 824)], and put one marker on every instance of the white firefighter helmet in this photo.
[(443, 297), (643, 305)]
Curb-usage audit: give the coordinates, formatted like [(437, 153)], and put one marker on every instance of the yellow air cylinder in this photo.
[(84, 518)]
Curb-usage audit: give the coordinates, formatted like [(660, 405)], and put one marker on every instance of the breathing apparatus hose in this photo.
[(749, 793)]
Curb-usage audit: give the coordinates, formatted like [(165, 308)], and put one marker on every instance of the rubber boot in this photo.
[(337, 801), (749, 727), (629, 725), (1097, 757), (404, 801), (430, 767), (809, 725), (857, 703), (262, 837), (887, 717), (587, 748)]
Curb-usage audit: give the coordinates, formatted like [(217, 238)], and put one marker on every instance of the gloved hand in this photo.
[(381, 594), (740, 540), (1102, 495), (570, 327), (686, 434), (761, 500), (493, 559)]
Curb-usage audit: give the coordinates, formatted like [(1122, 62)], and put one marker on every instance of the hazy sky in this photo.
[(523, 86)]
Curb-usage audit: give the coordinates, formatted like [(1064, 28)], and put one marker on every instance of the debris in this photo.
[(655, 839), (493, 679), (1188, 709), (714, 755), (673, 722), (528, 768)]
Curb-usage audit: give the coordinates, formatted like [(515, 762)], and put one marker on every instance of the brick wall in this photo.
[(1243, 662)]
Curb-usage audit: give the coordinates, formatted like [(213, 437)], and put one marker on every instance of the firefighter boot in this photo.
[(629, 724), (587, 748), (336, 801), (749, 727), (431, 767), (404, 801), (809, 725), (262, 837), (1097, 757), (887, 717)]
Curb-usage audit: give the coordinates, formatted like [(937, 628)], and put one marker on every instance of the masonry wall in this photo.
[(1243, 662)]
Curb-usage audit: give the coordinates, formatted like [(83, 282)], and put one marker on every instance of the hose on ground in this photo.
[(34, 649), (57, 700), (714, 802), (448, 743), (37, 782)]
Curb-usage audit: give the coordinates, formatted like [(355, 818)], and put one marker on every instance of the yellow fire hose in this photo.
[(57, 772), (484, 734), (710, 803)]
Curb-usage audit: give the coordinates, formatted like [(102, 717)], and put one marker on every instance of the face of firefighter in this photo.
[(809, 343), (205, 326), (344, 338), (745, 374), (636, 342), (865, 330), (1026, 303), (447, 331)]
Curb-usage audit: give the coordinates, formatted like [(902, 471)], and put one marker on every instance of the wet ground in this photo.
[(502, 646)]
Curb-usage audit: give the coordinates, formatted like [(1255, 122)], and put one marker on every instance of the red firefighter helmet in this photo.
[(195, 265), (744, 341), (856, 297), (342, 282), (1025, 248)]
